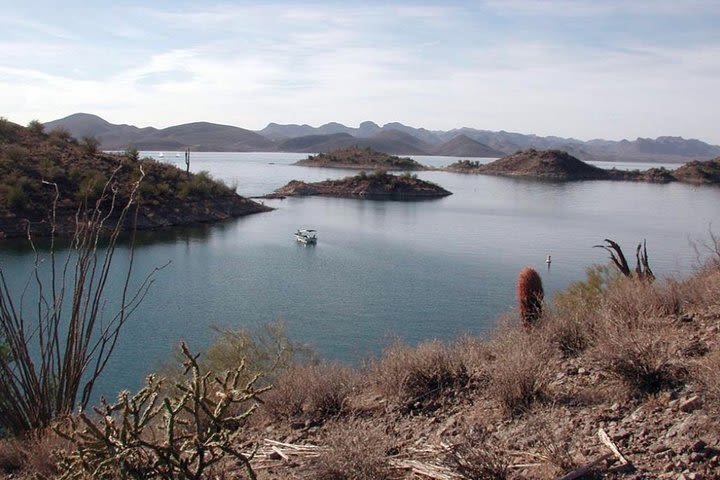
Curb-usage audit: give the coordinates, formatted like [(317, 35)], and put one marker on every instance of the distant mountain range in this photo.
[(394, 138)]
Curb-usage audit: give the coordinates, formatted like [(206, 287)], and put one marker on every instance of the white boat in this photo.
[(306, 236), (161, 155)]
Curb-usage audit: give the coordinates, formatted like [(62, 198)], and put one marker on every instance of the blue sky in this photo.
[(586, 69)]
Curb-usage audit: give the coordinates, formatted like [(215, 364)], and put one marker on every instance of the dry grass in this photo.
[(701, 289), (478, 455), (633, 301), (31, 456), (314, 392), (415, 377), (641, 357), (521, 372), (12, 455), (708, 373), (356, 451)]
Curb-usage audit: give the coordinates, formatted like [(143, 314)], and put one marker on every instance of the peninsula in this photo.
[(378, 185), (557, 165), (359, 158), (33, 163)]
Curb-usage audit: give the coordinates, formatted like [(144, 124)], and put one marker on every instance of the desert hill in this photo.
[(31, 162)]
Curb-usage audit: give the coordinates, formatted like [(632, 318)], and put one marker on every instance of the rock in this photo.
[(659, 447), (690, 404), (621, 434), (698, 446)]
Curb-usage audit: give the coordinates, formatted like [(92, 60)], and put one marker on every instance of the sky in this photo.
[(572, 68)]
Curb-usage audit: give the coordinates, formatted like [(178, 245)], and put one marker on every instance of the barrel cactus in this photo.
[(530, 296)]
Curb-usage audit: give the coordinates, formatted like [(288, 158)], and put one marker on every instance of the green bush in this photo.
[(91, 186), (49, 169), (132, 154), (16, 153), (7, 130), (36, 127), (16, 198), (202, 184), (61, 137), (90, 144)]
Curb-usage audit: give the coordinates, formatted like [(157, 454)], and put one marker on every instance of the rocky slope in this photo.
[(377, 185), (359, 158), (31, 161), (699, 172)]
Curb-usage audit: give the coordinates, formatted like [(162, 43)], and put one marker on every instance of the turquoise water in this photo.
[(381, 270)]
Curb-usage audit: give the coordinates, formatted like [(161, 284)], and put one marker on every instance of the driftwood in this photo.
[(605, 438), (642, 267)]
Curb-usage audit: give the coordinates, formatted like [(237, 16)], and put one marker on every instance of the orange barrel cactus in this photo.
[(530, 296)]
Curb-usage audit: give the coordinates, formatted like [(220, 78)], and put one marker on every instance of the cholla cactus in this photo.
[(142, 436), (530, 296)]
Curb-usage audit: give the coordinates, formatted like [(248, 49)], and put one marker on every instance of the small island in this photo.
[(378, 185), (359, 158), (560, 166), (33, 164)]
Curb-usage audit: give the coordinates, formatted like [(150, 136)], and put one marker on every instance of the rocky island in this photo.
[(557, 165), (32, 163), (378, 185), (359, 158)]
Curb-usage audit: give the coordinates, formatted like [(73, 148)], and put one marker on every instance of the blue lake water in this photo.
[(380, 270)]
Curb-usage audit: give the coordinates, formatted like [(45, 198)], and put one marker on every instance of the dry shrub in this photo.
[(554, 446), (43, 451), (12, 455), (570, 325), (478, 455), (520, 374), (640, 356), (708, 373), (33, 455), (356, 450), (474, 354), (634, 301), (570, 332), (701, 289), (314, 392), (417, 376)]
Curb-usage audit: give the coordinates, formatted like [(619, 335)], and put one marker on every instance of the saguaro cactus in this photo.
[(530, 296)]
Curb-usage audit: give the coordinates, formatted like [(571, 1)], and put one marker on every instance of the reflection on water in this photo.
[(416, 270)]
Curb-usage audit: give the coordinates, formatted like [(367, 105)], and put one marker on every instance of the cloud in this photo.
[(426, 65), (593, 8)]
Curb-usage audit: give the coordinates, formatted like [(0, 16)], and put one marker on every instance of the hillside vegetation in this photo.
[(32, 163), (375, 185)]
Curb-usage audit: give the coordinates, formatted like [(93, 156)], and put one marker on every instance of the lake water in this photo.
[(383, 269)]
